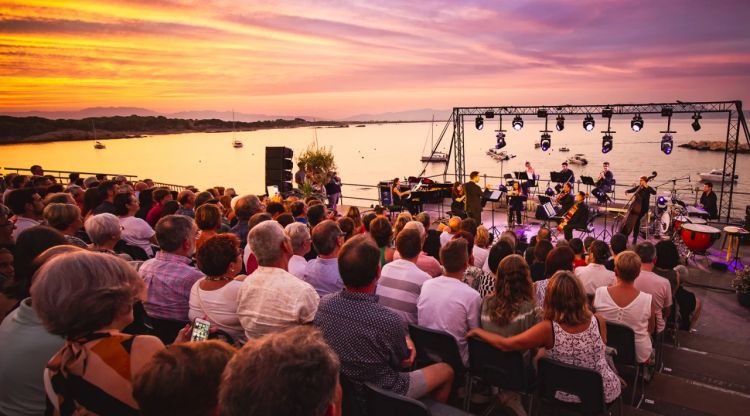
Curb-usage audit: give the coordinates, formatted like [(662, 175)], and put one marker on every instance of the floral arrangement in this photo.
[(741, 281)]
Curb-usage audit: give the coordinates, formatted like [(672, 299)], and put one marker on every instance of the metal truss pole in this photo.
[(459, 156), (730, 162)]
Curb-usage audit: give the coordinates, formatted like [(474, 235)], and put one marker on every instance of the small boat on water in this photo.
[(237, 144), (99, 145), (499, 155), (578, 159), (436, 157), (715, 176), (360, 125), (563, 149)]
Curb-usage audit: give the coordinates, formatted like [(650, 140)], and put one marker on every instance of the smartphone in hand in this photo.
[(200, 330)]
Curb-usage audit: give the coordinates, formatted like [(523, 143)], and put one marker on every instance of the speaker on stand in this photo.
[(279, 168)]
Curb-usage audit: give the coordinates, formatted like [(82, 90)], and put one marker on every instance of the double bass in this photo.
[(633, 211)]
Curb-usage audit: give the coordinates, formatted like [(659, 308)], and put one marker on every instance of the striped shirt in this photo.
[(399, 287), (169, 278)]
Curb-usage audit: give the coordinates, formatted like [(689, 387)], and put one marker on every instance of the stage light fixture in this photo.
[(549, 191), (500, 140), (588, 123), (661, 202), (560, 125), (637, 123), (607, 143), (696, 124), (517, 123), (667, 143), (479, 123), (489, 114), (546, 142)]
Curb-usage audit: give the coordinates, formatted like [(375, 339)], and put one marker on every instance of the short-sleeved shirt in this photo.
[(218, 307), (635, 316), (660, 291), (297, 265), (169, 278), (426, 263), (272, 299), (323, 275), (368, 338), (399, 287), (449, 305), (593, 276)]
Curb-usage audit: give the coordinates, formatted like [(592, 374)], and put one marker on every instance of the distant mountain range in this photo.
[(409, 115)]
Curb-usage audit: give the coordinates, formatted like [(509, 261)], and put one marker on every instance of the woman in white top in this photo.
[(624, 304), (214, 297), (135, 231)]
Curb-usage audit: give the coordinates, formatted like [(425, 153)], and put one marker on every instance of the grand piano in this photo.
[(425, 191)]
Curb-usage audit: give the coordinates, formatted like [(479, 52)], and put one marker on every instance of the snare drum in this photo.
[(698, 238)]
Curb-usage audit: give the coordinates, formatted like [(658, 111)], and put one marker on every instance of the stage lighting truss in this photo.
[(517, 123), (637, 123), (607, 143), (479, 123), (545, 142), (588, 123), (667, 144), (560, 124), (696, 123)]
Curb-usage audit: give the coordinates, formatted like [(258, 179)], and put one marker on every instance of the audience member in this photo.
[(161, 196), (28, 208), (541, 250), (576, 244), (183, 379), (272, 299), (595, 274), (473, 275), (245, 207), (667, 261), (323, 272), (512, 308), (292, 373), (618, 243), (446, 304), (208, 220), (454, 225), (186, 199), (145, 200), (87, 298), (248, 258), (65, 218), (487, 283), (285, 219), (316, 214), (169, 276), (107, 191), (425, 262), (170, 208), (431, 245), (104, 231), (624, 304), (370, 339), (401, 220), (6, 228), (367, 220), (6, 266), (570, 333), (559, 258), (299, 211), (275, 209), (353, 213), (653, 284), (346, 225), (135, 231), (382, 233), (205, 197), (59, 198), (214, 297), (481, 246), (299, 236), (401, 280)]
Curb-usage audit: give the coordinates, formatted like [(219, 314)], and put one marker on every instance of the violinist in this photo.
[(515, 205), (642, 196), (575, 217), (565, 199), (606, 179)]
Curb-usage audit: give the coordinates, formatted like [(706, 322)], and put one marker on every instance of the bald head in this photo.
[(325, 238)]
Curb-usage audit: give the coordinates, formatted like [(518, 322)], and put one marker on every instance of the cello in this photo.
[(633, 211)]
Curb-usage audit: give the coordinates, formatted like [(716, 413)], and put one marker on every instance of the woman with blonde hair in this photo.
[(569, 332), (355, 215), (512, 308), (400, 222), (67, 219)]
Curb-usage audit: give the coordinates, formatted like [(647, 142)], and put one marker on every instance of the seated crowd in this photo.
[(101, 281)]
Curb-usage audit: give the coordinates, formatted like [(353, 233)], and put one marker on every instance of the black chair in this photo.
[(166, 329), (136, 253), (506, 370), (352, 400), (438, 347), (555, 376), (387, 403), (622, 339)]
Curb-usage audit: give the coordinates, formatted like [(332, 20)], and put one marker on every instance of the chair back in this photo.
[(166, 329), (622, 338), (435, 347), (387, 403), (352, 399), (507, 370), (555, 376)]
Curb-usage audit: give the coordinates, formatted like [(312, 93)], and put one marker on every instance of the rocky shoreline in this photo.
[(713, 146)]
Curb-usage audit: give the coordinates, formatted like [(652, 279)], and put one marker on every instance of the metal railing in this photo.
[(63, 176)]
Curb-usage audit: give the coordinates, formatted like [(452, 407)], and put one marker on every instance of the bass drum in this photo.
[(666, 222)]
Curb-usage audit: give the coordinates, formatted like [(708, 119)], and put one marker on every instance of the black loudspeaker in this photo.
[(384, 191), (279, 168)]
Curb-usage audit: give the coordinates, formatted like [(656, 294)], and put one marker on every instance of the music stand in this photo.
[(515, 198), (493, 196), (556, 177), (589, 182), (603, 198)]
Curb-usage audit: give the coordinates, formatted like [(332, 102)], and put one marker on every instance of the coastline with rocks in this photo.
[(713, 146)]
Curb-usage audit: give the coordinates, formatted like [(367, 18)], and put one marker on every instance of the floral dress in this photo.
[(587, 350)]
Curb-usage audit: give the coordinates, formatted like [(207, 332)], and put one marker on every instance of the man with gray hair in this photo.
[(299, 234), (245, 207), (169, 276), (272, 299), (424, 262), (322, 272)]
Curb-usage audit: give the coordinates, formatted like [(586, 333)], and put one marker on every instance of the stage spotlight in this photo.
[(588, 123), (607, 143), (661, 202), (560, 123), (517, 123), (637, 123), (500, 140), (546, 142), (479, 123), (696, 124), (489, 114), (667, 144)]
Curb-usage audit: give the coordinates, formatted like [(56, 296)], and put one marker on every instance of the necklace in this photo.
[(219, 278)]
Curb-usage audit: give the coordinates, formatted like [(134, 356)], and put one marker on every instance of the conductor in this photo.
[(473, 199)]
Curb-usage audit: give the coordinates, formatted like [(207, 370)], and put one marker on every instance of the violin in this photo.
[(560, 196)]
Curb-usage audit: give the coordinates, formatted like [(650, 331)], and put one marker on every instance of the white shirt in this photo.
[(449, 305), (445, 237), (218, 306), (137, 232), (399, 287), (480, 256), (23, 223), (297, 266), (593, 276), (272, 299), (635, 316)]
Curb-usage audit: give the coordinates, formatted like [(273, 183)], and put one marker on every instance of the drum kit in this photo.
[(687, 226)]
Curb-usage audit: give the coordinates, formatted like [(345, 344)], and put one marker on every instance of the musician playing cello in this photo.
[(565, 198), (575, 217), (639, 207)]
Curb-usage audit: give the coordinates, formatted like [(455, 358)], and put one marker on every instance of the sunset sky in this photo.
[(337, 58)]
